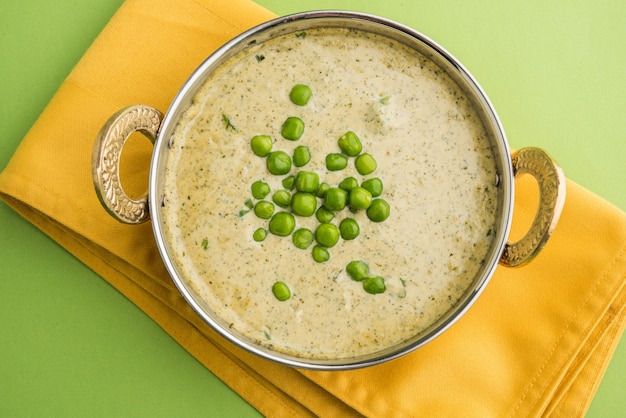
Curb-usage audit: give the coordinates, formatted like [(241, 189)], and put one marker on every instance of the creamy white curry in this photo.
[(433, 156)]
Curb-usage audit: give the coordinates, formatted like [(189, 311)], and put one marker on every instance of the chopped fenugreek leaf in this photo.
[(259, 58), (227, 123), (301, 35), (205, 243)]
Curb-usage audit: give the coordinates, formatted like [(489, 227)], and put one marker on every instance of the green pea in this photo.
[(357, 270), (259, 235), (303, 204), (365, 164), (374, 285), (327, 235), (321, 191), (336, 162), (360, 198), (278, 162), (302, 238), (349, 229), (335, 199), (324, 215), (281, 291), (348, 183), (282, 224), (350, 144), (292, 128), (301, 155), (289, 182), (320, 254), (307, 181), (374, 186), (260, 189), (378, 210), (282, 198), (300, 94), (264, 209), (261, 145)]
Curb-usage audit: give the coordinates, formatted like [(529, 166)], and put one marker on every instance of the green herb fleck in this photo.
[(385, 100), (489, 232), (249, 203), (301, 35), (228, 124), (243, 212), (403, 282), (205, 243), (267, 334), (259, 58)]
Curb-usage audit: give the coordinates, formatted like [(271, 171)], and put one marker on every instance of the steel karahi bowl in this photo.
[(159, 129)]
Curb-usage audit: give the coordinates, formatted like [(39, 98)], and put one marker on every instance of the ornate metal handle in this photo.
[(551, 180), (105, 162)]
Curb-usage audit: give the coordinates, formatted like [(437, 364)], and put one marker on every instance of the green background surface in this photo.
[(71, 345)]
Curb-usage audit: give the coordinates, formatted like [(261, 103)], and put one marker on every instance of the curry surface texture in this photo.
[(434, 158)]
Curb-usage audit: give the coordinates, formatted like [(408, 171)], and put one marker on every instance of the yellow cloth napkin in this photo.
[(537, 341)]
